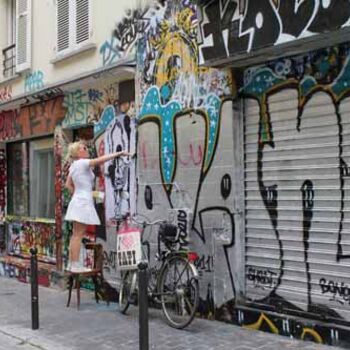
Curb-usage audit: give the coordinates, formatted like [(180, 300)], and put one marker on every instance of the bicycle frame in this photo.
[(162, 258)]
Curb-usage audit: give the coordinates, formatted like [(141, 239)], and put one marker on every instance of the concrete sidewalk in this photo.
[(97, 326)]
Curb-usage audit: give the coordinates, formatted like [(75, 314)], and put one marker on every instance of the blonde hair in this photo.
[(73, 149)]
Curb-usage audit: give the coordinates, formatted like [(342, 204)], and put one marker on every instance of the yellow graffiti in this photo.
[(257, 325), (313, 333), (184, 21), (176, 54)]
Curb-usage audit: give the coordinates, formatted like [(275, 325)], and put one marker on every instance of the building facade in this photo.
[(238, 113)]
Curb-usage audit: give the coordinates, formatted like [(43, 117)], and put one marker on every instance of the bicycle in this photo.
[(173, 282)]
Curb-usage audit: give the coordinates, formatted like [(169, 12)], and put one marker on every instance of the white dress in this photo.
[(81, 208)]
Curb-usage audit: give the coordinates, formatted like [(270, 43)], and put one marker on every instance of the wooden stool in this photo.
[(96, 274)]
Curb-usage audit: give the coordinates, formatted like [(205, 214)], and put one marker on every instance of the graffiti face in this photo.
[(119, 135)]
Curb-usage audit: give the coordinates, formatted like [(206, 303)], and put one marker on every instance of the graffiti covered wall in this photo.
[(296, 176), (23, 235), (227, 29), (29, 121), (185, 148)]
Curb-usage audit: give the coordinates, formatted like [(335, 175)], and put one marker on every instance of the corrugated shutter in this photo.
[(295, 205), (82, 21), (62, 25), (23, 35)]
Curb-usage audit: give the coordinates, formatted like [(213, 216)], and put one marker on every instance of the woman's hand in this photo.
[(107, 157), (123, 154)]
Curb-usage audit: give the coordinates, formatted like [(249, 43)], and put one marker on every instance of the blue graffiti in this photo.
[(261, 81), (107, 116), (212, 107), (342, 83), (95, 95), (109, 51), (77, 105), (34, 81), (165, 114)]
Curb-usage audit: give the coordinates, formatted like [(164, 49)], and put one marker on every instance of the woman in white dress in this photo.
[(81, 209)]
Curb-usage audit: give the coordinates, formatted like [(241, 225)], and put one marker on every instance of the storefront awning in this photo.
[(122, 70)]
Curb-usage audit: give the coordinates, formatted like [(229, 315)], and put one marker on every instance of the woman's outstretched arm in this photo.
[(107, 157)]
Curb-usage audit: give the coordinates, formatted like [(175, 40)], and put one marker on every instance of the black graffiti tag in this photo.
[(224, 11), (262, 278), (339, 290), (183, 229), (262, 23), (296, 18)]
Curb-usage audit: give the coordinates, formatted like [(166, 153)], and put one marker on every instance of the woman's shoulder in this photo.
[(81, 163)]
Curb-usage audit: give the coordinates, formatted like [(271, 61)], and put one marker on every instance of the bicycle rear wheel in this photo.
[(127, 289), (179, 292)]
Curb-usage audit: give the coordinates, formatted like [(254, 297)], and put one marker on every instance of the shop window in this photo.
[(31, 178)]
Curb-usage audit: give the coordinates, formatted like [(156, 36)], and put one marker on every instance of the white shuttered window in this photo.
[(73, 24), (23, 35)]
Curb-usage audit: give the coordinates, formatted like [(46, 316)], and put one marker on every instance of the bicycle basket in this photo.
[(168, 233)]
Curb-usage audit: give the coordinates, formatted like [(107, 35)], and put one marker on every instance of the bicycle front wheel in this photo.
[(127, 289), (179, 292)]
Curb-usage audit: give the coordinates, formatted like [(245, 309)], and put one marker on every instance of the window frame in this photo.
[(73, 46), (29, 182), (34, 184)]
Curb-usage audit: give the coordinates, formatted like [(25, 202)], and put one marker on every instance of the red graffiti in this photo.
[(2, 182), (58, 185), (101, 179), (8, 124), (34, 120), (6, 93), (147, 163), (194, 157)]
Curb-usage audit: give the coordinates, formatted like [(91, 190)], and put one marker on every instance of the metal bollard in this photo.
[(143, 305), (34, 288)]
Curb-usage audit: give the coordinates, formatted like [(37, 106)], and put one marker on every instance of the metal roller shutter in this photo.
[(297, 204)]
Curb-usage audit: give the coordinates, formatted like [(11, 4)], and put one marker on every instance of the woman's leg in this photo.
[(79, 230)]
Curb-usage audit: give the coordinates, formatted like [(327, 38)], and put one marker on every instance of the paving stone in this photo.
[(97, 326)]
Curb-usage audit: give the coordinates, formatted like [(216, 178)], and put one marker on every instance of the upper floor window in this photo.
[(17, 53), (9, 52), (73, 24)]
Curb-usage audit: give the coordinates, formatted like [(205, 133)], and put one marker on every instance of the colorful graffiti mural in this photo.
[(184, 120), (86, 106), (23, 235), (291, 327), (34, 120)]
